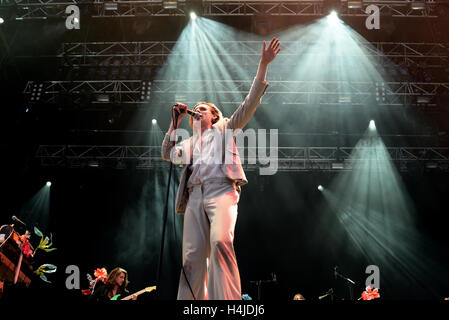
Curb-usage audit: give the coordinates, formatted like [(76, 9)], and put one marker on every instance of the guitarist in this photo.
[(115, 284)]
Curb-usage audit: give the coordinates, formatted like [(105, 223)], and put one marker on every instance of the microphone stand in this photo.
[(258, 283), (349, 281), (164, 219)]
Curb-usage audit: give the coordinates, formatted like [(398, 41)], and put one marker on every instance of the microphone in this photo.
[(194, 114), (328, 293), (14, 218)]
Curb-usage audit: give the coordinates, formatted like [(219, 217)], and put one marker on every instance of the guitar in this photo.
[(147, 289)]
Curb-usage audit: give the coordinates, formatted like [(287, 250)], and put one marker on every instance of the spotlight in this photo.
[(372, 125), (320, 187), (338, 165), (355, 4), (102, 98), (154, 121), (418, 5), (93, 164), (48, 183), (36, 91), (193, 15), (380, 92), (110, 6), (1, 20), (431, 165), (332, 18), (422, 100), (145, 91), (169, 4)]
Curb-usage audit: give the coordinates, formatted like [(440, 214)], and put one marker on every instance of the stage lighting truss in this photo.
[(88, 92), (137, 61), (397, 55), (39, 9), (305, 93), (289, 158), (140, 60)]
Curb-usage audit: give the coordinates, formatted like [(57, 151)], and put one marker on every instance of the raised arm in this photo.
[(246, 110), (268, 55)]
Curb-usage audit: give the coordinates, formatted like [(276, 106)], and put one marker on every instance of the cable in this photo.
[(174, 124)]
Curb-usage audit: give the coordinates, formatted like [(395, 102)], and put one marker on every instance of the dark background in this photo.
[(107, 217)]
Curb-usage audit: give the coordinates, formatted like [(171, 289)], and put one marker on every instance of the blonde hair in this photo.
[(215, 111), (299, 296)]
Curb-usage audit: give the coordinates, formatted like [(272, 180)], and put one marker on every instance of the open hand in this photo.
[(270, 52)]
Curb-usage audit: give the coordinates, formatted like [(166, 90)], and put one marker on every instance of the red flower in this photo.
[(369, 294), (26, 250), (86, 292), (101, 275)]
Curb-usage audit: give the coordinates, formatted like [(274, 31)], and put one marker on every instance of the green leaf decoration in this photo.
[(50, 268), (43, 277), (45, 268), (45, 243), (38, 232)]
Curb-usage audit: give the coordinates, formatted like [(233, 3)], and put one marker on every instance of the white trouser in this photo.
[(207, 251)]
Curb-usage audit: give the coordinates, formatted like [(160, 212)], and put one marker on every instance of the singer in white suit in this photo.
[(209, 191)]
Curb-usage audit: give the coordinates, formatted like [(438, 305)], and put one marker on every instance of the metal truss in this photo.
[(288, 158), (83, 92), (42, 9), (309, 92), (155, 53), (313, 8), (284, 92)]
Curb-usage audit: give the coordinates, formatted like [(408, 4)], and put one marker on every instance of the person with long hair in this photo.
[(209, 190), (115, 284)]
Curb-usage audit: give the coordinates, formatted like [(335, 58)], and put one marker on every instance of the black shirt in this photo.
[(101, 290)]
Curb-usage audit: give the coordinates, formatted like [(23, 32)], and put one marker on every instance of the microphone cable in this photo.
[(174, 214)]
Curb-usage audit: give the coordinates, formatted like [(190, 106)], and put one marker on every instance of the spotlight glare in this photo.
[(192, 15), (320, 187), (1, 20), (372, 125), (332, 18), (48, 183), (154, 121)]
